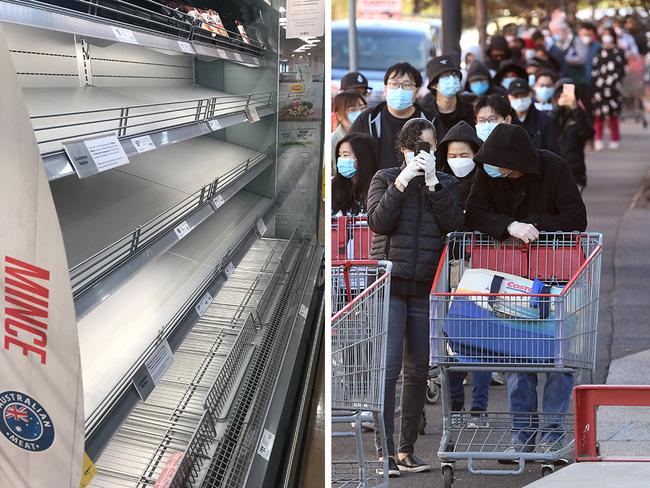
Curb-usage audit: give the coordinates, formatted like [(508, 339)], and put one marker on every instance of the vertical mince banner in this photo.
[(41, 397), (305, 18)]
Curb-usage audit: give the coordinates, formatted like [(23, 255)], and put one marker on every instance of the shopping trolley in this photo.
[(359, 331), (550, 328), (351, 237)]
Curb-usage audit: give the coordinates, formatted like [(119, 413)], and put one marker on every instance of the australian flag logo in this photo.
[(24, 422)]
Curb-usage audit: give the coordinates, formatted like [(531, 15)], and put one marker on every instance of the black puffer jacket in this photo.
[(545, 196), (409, 227), (574, 130)]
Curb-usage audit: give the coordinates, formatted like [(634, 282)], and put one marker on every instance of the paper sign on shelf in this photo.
[(186, 47), (261, 227), (88, 472), (124, 35), (266, 444), (143, 144), (95, 155), (214, 124), (171, 467), (222, 53), (305, 18), (230, 269), (218, 201), (203, 305), (182, 230), (238, 57), (304, 310), (159, 362), (251, 113)]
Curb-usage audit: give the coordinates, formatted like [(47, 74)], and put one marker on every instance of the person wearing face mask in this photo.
[(574, 128), (518, 192), (383, 122), (356, 163), (544, 89), (490, 111), (411, 207), (444, 96), (497, 52), (547, 51), (479, 81), (607, 100), (346, 107), (584, 87), (508, 72), (536, 123)]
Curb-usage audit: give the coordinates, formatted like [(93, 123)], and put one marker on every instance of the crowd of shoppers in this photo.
[(496, 146)]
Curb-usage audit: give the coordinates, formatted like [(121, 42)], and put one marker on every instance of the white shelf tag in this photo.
[(238, 57), (304, 310), (186, 47), (159, 362), (218, 201), (96, 155), (251, 113), (261, 227), (266, 444), (143, 144), (203, 305), (214, 124), (182, 230), (124, 35), (230, 269), (222, 53)]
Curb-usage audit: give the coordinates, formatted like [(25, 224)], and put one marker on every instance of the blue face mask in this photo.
[(520, 105), (479, 87), (492, 171), (543, 93), (484, 129), (346, 167), (505, 83), (531, 79), (448, 86), (352, 116), (399, 98)]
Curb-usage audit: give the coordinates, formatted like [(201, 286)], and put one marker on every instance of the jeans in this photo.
[(408, 340), (522, 390), (480, 385)]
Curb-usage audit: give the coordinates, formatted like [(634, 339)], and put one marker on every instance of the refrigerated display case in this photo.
[(194, 250)]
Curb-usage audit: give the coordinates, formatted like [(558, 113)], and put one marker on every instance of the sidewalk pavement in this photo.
[(614, 179)]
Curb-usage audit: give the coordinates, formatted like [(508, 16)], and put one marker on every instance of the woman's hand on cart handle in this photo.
[(526, 232)]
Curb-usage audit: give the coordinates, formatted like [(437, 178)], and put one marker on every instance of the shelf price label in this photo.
[(304, 310), (266, 444), (186, 47), (218, 201), (214, 124), (261, 227), (222, 53), (159, 362), (238, 57), (124, 35), (182, 230), (143, 144), (230, 269), (92, 156), (203, 305), (251, 113)]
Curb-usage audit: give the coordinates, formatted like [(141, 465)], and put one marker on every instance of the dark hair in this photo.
[(412, 132), (345, 100), (537, 35), (496, 102), (611, 32), (588, 26), (348, 193), (546, 72), (519, 41), (404, 68)]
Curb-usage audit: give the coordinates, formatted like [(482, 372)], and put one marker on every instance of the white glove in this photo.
[(427, 162), (411, 170), (525, 232)]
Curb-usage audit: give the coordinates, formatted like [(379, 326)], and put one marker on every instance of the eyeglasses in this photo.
[(491, 120), (407, 85)]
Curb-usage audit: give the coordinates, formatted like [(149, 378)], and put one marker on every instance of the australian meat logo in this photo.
[(24, 422)]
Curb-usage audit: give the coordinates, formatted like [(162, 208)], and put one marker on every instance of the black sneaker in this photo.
[(413, 464), (393, 470)]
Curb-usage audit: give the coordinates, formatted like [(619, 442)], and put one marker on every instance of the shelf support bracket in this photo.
[(84, 61)]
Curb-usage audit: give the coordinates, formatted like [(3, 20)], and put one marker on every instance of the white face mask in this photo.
[(461, 166)]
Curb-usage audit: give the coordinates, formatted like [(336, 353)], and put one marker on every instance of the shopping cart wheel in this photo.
[(547, 469), (448, 475), (433, 392)]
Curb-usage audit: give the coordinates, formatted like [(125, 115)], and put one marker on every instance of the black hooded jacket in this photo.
[(409, 227), (499, 43), (462, 131), (574, 129), (540, 128), (464, 110), (545, 196), (477, 68), (376, 121)]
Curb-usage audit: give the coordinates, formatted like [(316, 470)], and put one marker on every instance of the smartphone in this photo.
[(569, 89), (421, 146)]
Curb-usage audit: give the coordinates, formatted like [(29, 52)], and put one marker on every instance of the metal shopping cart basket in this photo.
[(547, 325), (359, 333)]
